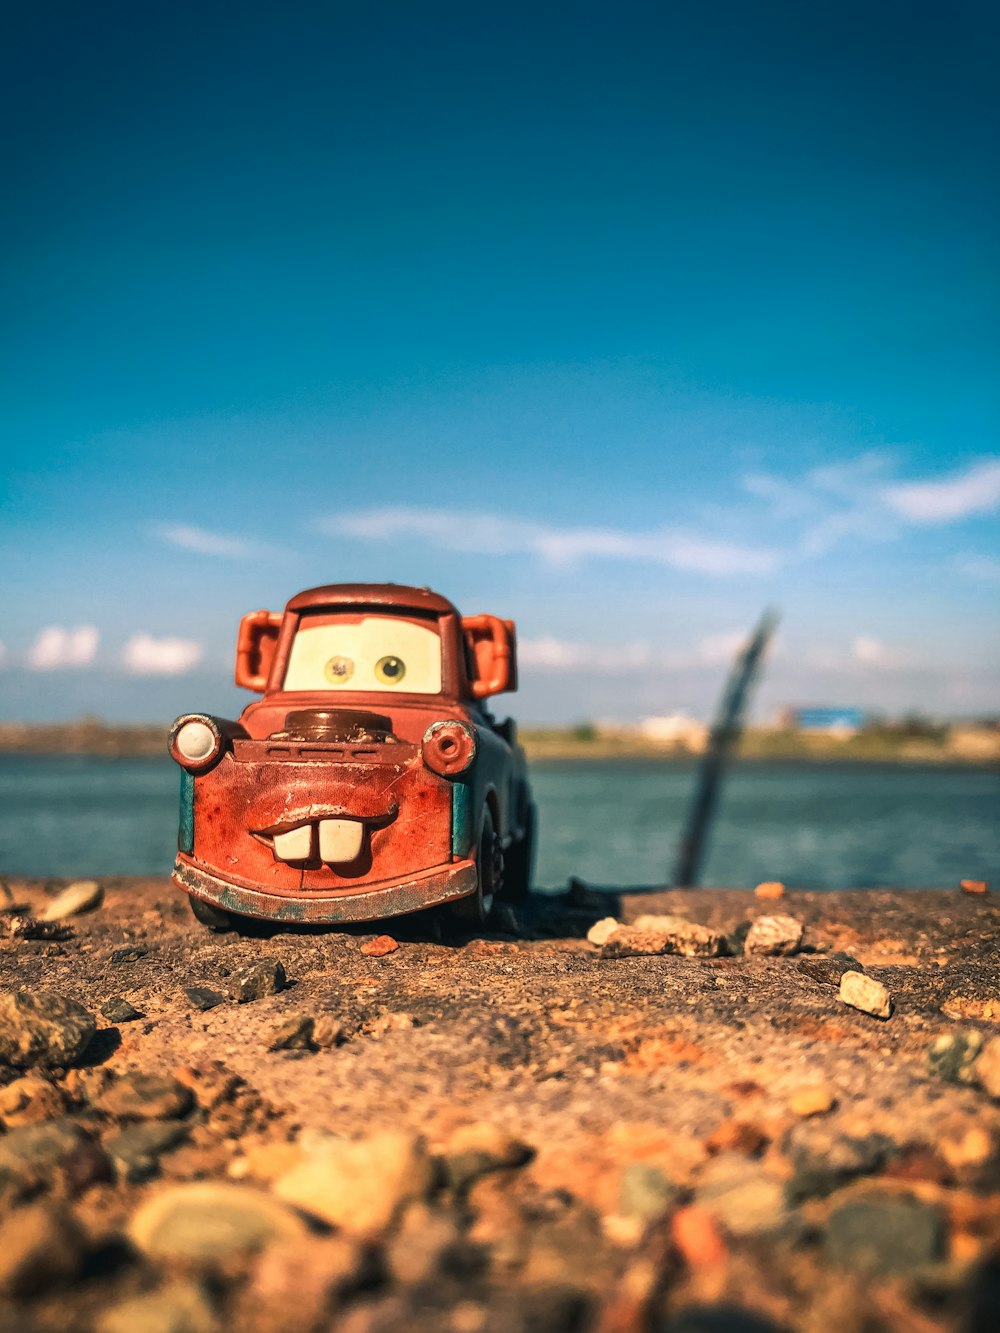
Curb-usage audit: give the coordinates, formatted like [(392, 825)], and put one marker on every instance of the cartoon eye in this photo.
[(339, 670), (390, 670)]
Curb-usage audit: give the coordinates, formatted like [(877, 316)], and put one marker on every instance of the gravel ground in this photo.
[(526, 1130)]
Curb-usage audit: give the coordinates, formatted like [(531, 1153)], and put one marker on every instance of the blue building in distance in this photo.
[(831, 721)]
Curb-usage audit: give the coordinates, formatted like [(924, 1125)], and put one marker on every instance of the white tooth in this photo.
[(295, 845), (340, 839)]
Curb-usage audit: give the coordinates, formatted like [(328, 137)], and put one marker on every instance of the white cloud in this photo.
[(786, 499), (871, 653), (145, 656), (719, 649), (552, 654), (491, 534), (974, 491), (202, 542), (56, 647), (855, 500), (828, 505), (851, 478)]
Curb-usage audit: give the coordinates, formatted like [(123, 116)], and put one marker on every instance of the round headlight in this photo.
[(448, 747), (195, 741)]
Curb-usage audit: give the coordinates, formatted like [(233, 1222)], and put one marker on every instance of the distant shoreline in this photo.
[(87, 737)]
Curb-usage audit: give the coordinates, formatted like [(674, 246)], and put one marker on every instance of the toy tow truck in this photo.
[(370, 780)]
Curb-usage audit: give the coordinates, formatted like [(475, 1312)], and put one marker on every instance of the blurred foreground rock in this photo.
[(43, 1028)]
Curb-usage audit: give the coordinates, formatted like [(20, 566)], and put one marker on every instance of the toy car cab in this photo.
[(370, 780)]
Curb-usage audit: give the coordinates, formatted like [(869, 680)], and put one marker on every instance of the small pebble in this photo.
[(209, 1219), (734, 1135), (954, 1056), (55, 1155), (890, 1234), (211, 1084), (771, 888), (600, 932), (687, 938), (379, 946), (179, 1307), (135, 1152), (130, 953), (39, 1027), (40, 1248), (360, 1185), (696, 1235), (987, 1069), (427, 1246), (118, 1010), (631, 942), (260, 979), (645, 1192), (29, 1101), (773, 935), (328, 1032), (865, 993), (295, 1033), (295, 1287), (745, 1198), (972, 1147), (811, 1099), (823, 1160), (478, 1149), (737, 938), (203, 997), (265, 1161), (974, 886), (83, 896), (139, 1096), (656, 934)]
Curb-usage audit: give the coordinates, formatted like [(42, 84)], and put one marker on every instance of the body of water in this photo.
[(608, 822)]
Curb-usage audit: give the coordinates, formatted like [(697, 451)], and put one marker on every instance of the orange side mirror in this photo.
[(255, 647), (493, 650)]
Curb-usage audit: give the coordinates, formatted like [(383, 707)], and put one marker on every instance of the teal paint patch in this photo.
[(461, 819), (185, 835)]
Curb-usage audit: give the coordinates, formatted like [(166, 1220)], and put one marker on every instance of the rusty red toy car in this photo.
[(370, 780)]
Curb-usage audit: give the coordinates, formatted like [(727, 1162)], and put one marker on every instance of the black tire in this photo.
[(474, 910), (519, 863), (215, 918)]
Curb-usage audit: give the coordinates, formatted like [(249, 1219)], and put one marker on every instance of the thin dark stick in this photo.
[(723, 737)]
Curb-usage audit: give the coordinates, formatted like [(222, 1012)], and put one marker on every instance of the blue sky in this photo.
[(622, 320)]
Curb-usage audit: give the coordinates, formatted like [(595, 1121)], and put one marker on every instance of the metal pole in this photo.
[(724, 734)]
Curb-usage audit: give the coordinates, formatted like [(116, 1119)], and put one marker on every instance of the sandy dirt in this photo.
[(661, 1142)]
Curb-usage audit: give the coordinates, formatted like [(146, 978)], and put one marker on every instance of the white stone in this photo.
[(82, 896), (773, 935), (359, 1186), (210, 1219), (600, 931), (865, 993), (682, 936)]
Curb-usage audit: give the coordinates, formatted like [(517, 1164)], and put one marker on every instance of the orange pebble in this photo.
[(379, 946), (771, 888), (973, 886), (697, 1237)]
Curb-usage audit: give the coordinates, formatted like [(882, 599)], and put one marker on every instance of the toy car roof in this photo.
[(390, 596)]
